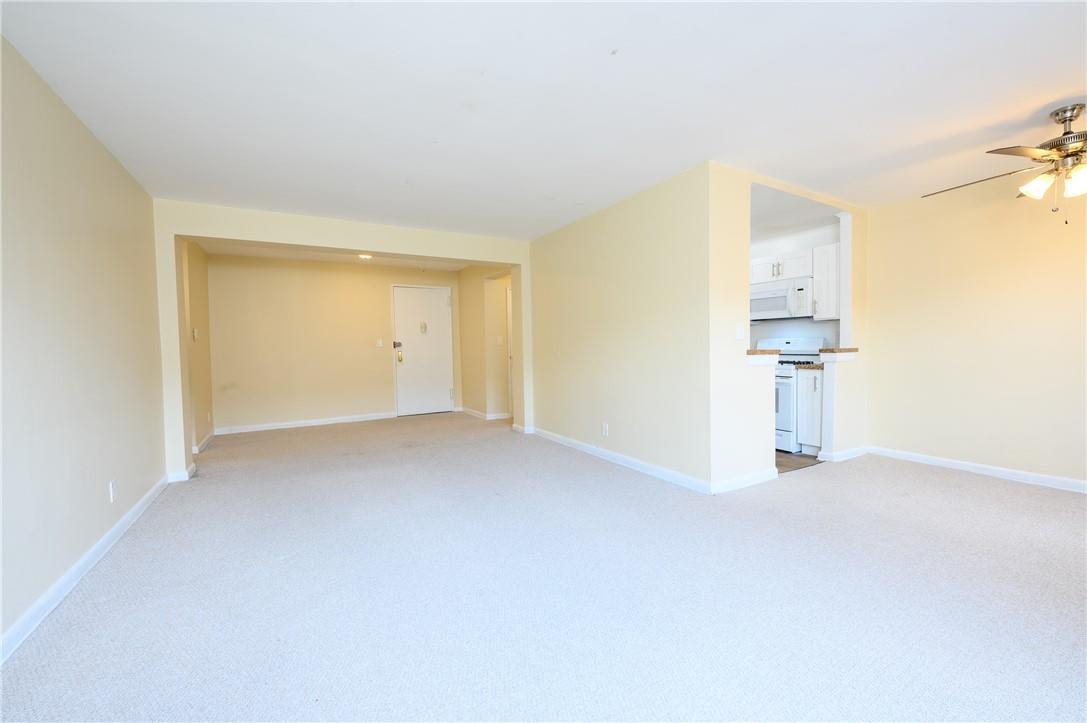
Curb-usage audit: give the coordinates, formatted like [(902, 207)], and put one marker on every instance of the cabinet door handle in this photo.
[(777, 406), (815, 383)]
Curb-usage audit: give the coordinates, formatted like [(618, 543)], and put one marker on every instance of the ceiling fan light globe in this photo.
[(1037, 186), (1075, 184)]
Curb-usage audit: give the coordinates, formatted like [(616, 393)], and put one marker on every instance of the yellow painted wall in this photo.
[(740, 399), (296, 340), (620, 327), (198, 345), (472, 339), (978, 328), (82, 397), (496, 345)]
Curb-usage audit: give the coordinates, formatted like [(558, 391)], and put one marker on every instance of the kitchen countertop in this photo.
[(753, 352), (813, 365), (838, 350)]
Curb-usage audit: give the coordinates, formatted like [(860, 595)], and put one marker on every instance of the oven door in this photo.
[(771, 300)]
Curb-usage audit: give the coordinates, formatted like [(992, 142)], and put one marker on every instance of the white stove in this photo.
[(794, 350)]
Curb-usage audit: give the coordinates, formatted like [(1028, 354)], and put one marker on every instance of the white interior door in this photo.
[(423, 349)]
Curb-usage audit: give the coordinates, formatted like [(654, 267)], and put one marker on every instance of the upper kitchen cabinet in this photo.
[(824, 260), (792, 265), (763, 270)]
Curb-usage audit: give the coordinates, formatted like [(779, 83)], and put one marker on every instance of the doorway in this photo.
[(423, 349)]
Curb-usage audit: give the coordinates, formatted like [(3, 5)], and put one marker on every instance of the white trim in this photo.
[(183, 476), (742, 481), (28, 621), (198, 448), (524, 430), (843, 455), (668, 475), (490, 417), (1016, 475), (240, 429)]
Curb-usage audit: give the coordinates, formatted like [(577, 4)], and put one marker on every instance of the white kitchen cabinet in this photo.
[(763, 270), (792, 265), (825, 282), (809, 407), (795, 264)]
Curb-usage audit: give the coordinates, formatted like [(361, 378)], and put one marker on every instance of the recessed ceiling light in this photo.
[(365, 256)]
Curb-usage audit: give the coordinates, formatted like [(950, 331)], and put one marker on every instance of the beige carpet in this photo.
[(445, 568)]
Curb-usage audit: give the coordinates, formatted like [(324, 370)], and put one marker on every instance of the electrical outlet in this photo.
[(112, 491), (604, 429), (380, 343)]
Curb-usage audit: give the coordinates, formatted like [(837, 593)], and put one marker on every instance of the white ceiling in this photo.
[(514, 119), (776, 213), (233, 247)]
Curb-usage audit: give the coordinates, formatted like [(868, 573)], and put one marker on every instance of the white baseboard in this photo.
[(24, 626), (668, 475), (735, 483), (1016, 475), (182, 476), (198, 448), (524, 430), (842, 456), (304, 423), (490, 417)]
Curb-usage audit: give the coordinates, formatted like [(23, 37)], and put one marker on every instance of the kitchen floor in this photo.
[(791, 462)]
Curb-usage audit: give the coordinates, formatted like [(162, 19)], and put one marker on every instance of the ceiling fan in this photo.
[(1066, 156)]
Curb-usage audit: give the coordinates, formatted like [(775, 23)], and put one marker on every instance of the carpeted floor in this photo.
[(441, 567)]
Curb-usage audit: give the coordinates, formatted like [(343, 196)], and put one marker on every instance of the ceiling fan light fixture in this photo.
[(1037, 186), (1075, 184)]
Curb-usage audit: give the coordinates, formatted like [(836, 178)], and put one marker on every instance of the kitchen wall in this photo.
[(297, 340), (771, 328), (82, 402), (978, 326)]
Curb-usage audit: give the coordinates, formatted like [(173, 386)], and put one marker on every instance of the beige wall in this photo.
[(496, 345), (620, 327), (196, 337), (296, 340), (978, 329), (485, 374), (472, 337), (81, 372)]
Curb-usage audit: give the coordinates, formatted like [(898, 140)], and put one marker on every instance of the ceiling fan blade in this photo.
[(980, 180), (1038, 154)]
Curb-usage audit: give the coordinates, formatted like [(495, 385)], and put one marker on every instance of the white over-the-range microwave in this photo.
[(781, 299)]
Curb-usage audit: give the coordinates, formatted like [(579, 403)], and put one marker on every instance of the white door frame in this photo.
[(392, 323)]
